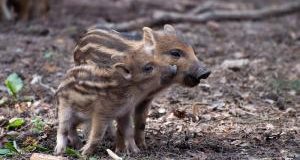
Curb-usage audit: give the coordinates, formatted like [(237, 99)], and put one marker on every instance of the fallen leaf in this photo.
[(179, 114), (50, 68)]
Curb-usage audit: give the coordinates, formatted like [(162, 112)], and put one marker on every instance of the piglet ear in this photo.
[(123, 70), (149, 41), (169, 29)]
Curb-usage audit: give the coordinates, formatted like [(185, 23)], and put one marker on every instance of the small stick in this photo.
[(113, 155), (160, 17)]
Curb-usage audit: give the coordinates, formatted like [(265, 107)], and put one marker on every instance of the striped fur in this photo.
[(87, 77), (97, 95), (97, 46)]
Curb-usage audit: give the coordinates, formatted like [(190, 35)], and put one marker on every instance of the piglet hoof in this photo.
[(127, 150), (142, 145), (59, 150), (135, 149), (86, 150), (75, 143), (121, 149), (118, 150)]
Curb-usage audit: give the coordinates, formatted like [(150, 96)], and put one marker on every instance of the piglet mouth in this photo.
[(191, 81)]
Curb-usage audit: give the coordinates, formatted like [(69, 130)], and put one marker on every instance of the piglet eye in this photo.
[(148, 68), (175, 53)]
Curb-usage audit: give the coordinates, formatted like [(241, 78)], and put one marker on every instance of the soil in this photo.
[(248, 111)]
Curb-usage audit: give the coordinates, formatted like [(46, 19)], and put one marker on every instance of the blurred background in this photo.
[(247, 109)]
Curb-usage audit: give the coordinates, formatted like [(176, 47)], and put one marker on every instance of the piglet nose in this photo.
[(203, 73)]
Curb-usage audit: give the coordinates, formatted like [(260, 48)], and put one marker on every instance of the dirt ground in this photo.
[(249, 111)]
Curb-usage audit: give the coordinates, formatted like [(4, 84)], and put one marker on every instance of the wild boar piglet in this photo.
[(168, 45), (97, 95)]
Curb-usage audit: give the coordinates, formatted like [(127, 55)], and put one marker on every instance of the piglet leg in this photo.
[(141, 113), (98, 128), (65, 118), (125, 135)]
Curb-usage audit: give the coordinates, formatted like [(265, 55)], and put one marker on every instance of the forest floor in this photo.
[(247, 111)]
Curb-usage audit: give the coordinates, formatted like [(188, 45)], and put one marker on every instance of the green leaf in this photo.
[(286, 84), (30, 148), (41, 148), (48, 54), (15, 123), (14, 84), (295, 85), (38, 125), (17, 147), (93, 158), (72, 152), (37, 147), (10, 146), (8, 150), (4, 151)]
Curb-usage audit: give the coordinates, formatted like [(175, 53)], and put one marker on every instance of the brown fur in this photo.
[(24, 9), (106, 44), (90, 94)]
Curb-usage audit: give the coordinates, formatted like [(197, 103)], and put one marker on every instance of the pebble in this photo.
[(40, 156), (235, 64)]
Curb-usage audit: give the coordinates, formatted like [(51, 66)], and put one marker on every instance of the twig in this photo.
[(201, 103), (38, 79), (229, 15), (211, 5), (202, 7), (160, 17), (113, 155), (47, 87), (127, 26), (17, 147)]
